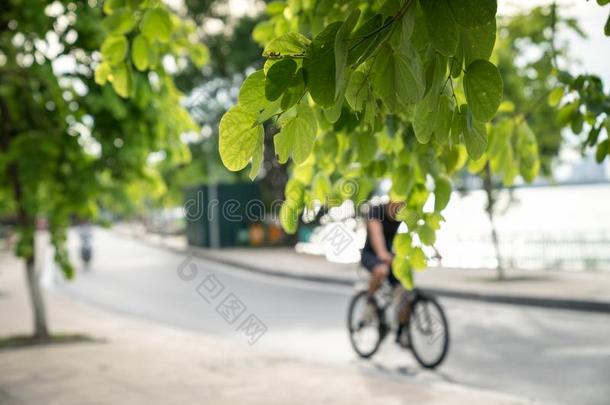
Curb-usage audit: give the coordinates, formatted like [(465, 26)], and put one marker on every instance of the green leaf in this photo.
[(370, 110), (500, 137), (607, 27), (119, 22), (365, 39), (342, 48), (275, 8), (566, 113), (478, 42), (427, 236), (366, 145), (295, 91), (417, 259), (407, 25), (304, 173), (402, 244), (140, 52), (199, 54), (403, 180), (357, 90), (102, 71), (442, 29), (390, 8), (289, 217), (473, 13), (442, 192), (433, 220), (409, 216), (321, 187), (295, 193), (555, 96), (527, 148), (419, 195), (319, 66), (577, 123), (252, 93), (436, 74), (457, 63), (445, 118), (121, 80), (399, 77), (457, 126), (483, 88), (332, 143), (475, 135), (433, 114), (403, 272), (238, 137), (264, 32), (110, 6), (279, 77), (349, 189), (292, 44), (476, 166), (603, 150), (425, 118), (297, 135), (333, 113), (114, 48), (257, 158), (593, 135), (272, 109), (157, 25)]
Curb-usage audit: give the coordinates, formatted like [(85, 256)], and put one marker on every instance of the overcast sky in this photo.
[(594, 51)]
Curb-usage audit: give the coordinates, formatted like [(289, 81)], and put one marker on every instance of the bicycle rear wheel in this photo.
[(365, 325), (428, 331)]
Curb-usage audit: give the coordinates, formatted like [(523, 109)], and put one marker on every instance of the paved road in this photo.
[(548, 355)]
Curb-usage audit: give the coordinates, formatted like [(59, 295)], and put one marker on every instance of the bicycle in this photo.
[(425, 330)]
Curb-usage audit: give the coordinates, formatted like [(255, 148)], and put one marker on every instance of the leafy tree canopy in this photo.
[(390, 89), (362, 90), (84, 99)]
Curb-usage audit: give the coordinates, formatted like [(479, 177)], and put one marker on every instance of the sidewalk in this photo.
[(588, 291), (138, 362)]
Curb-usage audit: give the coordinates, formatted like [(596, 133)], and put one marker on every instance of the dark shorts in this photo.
[(369, 260)]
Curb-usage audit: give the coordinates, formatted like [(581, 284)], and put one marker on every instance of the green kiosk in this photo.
[(218, 215)]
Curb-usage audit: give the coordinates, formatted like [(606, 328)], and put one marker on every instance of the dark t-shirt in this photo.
[(390, 227)]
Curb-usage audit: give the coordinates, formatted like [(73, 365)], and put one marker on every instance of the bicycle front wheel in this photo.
[(428, 332), (365, 325)]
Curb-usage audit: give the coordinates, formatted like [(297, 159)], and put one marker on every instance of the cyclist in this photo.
[(377, 252), (377, 255)]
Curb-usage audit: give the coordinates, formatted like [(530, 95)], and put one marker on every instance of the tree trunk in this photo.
[(25, 222), (28, 224), (276, 176), (491, 202), (36, 299)]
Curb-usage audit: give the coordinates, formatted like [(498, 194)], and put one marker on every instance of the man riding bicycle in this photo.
[(421, 323), (377, 255)]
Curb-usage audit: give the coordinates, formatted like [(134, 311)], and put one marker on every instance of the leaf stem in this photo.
[(388, 23), (553, 31), (457, 104)]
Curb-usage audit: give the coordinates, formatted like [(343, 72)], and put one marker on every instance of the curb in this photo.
[(525, 300), (341, 281), (521, 300)]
